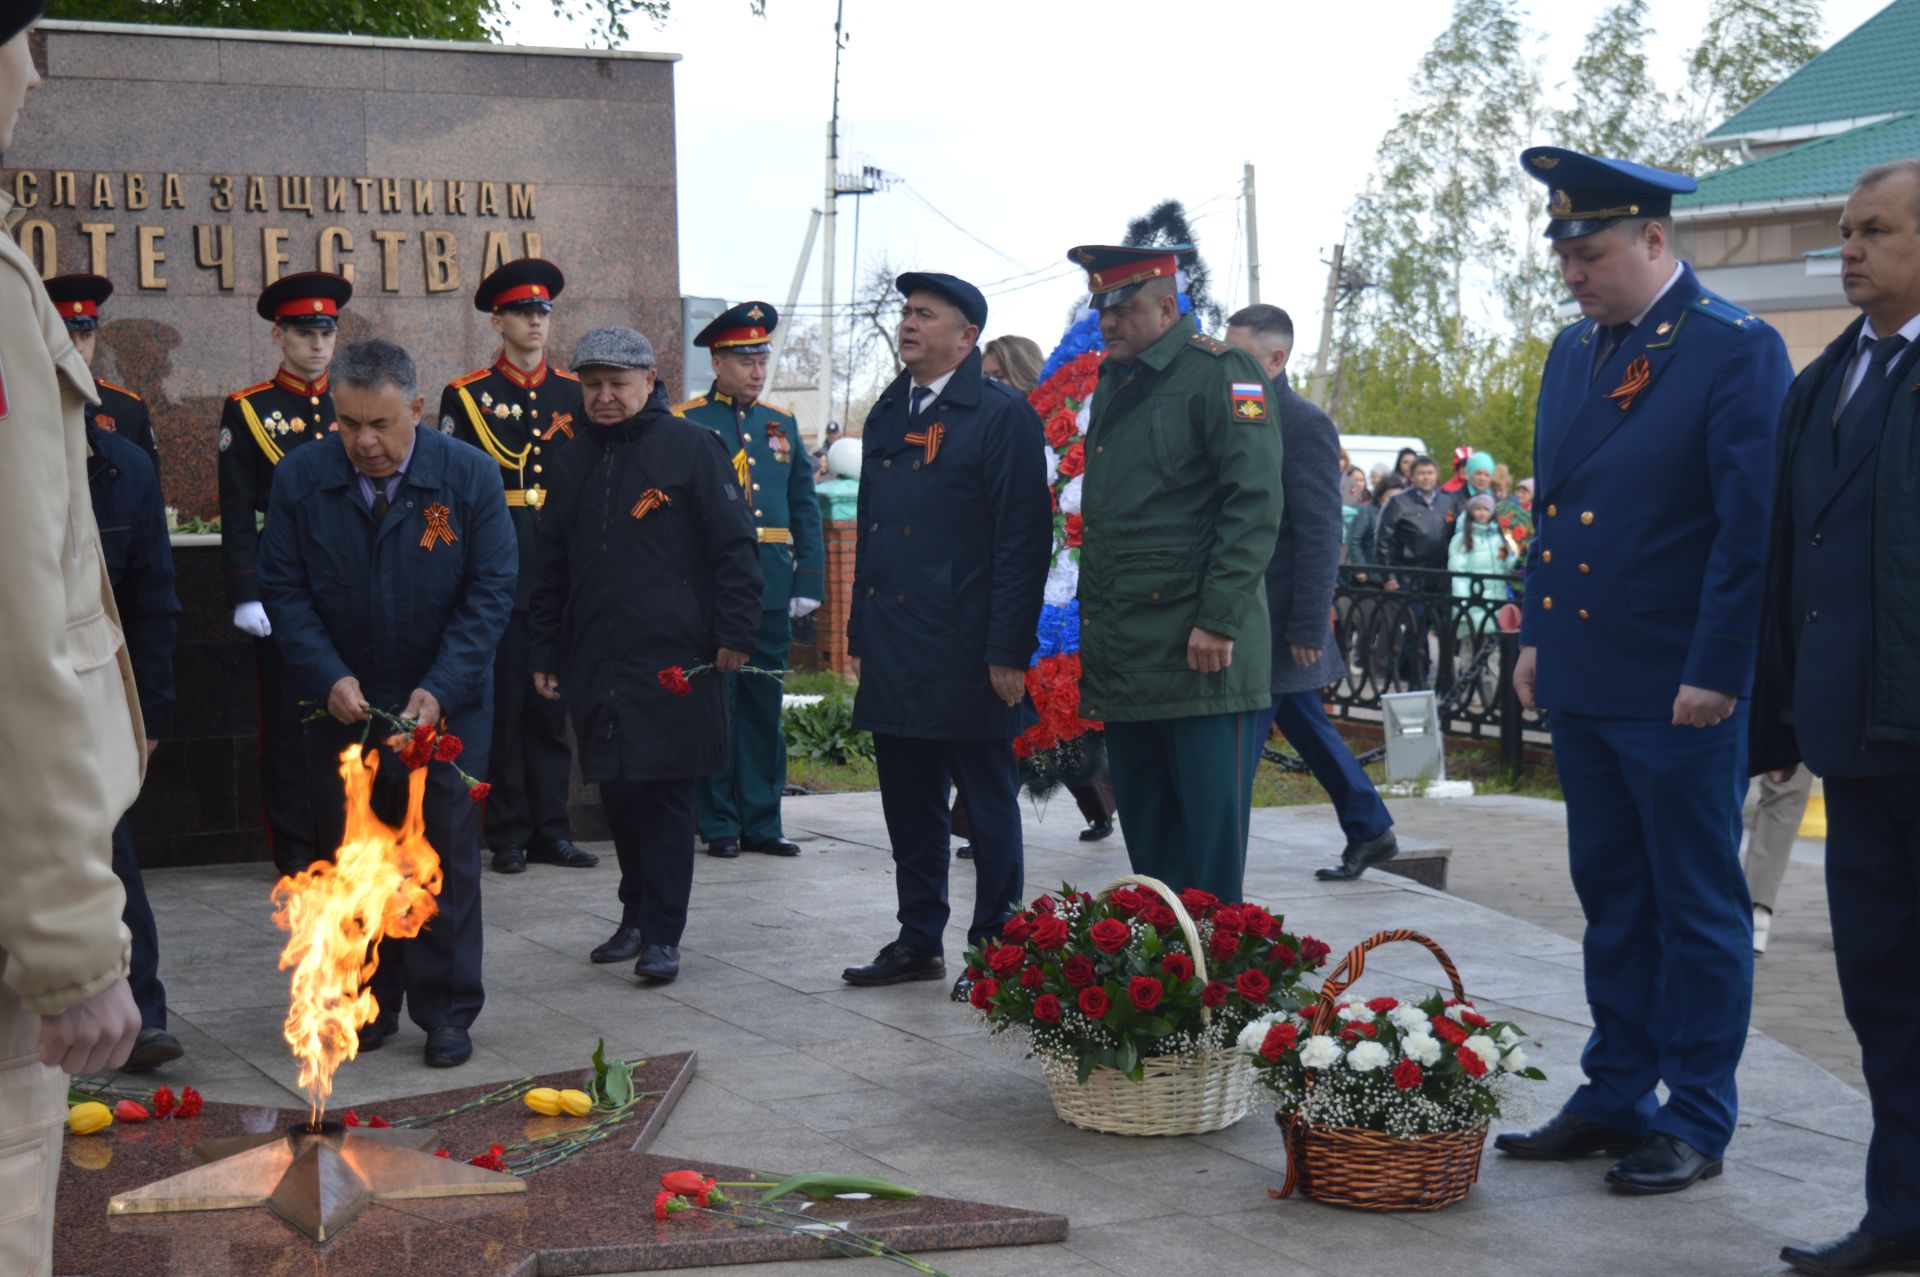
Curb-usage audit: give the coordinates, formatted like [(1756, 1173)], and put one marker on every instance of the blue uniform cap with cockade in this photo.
[(1587, 193)]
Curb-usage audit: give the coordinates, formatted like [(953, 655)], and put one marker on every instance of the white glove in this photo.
[(252, 618), (797, 608)]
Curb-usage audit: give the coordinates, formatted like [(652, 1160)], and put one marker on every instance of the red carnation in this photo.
[(1144, 992), (1252, 986), (982, 994), (1215, 994), (1075, 460), (1177, 965), (1407, 1075), (1473, 1019), (163, 1102), (1471, 1062), (494, 1159), (1078, 971), (448, 749), (1046, 1009), (1161, 918), (1280, 955), (662, 1203), (1199, 903), (1313, 952), (1110, 935), (1032, 978), (378, 1123), (1050, 932), (1380, 1006), (1062, 426), (419, 750), (351, 1120), (423, 734), (674, 679), (189, 1103), (1095, 1003), (478, 791), (444, 1152), (1073, 528), (1280, 1039), (1006, 959), (1447, 1031)]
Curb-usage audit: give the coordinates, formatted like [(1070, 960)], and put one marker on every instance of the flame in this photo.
[(381, 883)]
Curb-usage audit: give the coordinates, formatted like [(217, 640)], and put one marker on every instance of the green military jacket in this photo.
[(1180, 508), (776, 472)]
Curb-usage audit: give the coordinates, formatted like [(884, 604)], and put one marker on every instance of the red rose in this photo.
[(478, 791), (1127, 901), (1006, 959), (1046, 1009), (1281, 956), (1043, 905), (1224, 945), (1380, 1006), (1215, 994), (189, 1103), (1280, 1039), (1229, 918), (1110, 935), (1079, 971), (1161, 918), (163, 1101), (1144, 992), (1032, 978), (1073, 528), (1050, 932), (130, 1111), (975, 973), (674, 679), (1062, 426), (1313, 952), (1177, 965), (1407, 1075), (1094, 1003), (1018, 929), (1447, 1031), (1075, 460), (1471, 1062), (448, 749), (1199, 903), (982, 994), (1259, 921), (1252, 986)]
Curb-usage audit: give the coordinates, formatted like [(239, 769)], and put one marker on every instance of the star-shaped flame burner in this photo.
[(316, 1180)]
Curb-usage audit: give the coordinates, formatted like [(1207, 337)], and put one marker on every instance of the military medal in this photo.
[(298, 426)]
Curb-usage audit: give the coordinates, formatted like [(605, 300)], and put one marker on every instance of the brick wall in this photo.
[(836, 606)]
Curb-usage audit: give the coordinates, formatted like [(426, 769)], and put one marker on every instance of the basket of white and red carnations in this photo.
[(1134, 1001)]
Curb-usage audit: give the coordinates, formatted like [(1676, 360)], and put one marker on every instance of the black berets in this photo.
[(528, 284), (78, 298), (310, 299), (742, 329), (971, 302), (1587, 193)]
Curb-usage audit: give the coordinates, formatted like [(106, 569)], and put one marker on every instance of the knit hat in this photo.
[(1480, 501), (1480, 461), (1526, 483), (17, 17)]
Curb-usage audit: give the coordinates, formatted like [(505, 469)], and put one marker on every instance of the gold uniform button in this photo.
[(1547, 603), (887, 464), (756, 513), (533, 394), (1584, 568), (1586, 517), (752, 462), (1101, 448), (1546, 556), (906, 531), (314, 400), (1552, 510), (536, 469), (756, 487), (1156, 596), (536, 449), (1584, 615)]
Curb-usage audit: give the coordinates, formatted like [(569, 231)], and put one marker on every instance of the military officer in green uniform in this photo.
[(79, 298), (739, 807), (1180, 506), (520, 411)]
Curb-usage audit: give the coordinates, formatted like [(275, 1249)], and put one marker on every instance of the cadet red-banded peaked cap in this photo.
[(742, 329), (1116, 272), (971, 301), (78, 298), (310, 299), (528, 284), (1587, 193), (15, 18)]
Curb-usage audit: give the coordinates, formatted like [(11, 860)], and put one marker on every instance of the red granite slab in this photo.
[(589, 1214)]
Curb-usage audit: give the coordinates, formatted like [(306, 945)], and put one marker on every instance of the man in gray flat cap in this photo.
[(648, 550)]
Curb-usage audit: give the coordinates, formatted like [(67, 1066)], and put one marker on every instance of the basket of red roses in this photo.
[(1385, 1103), (1133, 1001)]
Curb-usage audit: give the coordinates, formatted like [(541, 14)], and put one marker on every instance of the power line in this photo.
[(930, 207)]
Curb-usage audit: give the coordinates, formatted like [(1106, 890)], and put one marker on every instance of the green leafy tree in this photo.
[(1617, 108), (1746, 47), (421, 19), (607, 20), (1166, 223)]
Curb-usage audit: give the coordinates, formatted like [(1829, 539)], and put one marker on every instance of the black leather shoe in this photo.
[(374, 1034), (965, 853), (659, 963), (563, 853), (1662, 1164), (773, 847), (897, 964), (1360, 857), (1096, 830), (622, 946), (151, 1049), (724, 848), (510, 860), (1856, 1253), (448, 1047), (1564, 1138)]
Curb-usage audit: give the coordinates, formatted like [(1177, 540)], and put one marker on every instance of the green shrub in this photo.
[(824, 731)]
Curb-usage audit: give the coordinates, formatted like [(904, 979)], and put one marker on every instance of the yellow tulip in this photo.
[(85, 1119), (576, 1103), (544, 1100)]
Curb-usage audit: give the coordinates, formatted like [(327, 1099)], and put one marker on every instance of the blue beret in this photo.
[(971, 301)]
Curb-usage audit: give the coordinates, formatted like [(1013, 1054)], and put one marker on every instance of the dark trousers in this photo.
[(437, 973), (1094, 798), (1185, 786), (1302, 719), (292, 834), (1653, 840), (742, 800), (144, 971), (914, 777), (531, 762), (653, 836), (1873, 895)]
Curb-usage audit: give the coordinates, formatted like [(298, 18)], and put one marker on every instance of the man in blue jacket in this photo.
[(1642, 606), (387, 566), (950, 565)]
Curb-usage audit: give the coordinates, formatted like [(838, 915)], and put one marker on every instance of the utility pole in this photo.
[(827, 215), (793, 299), (1253, 241), (1327, 309)]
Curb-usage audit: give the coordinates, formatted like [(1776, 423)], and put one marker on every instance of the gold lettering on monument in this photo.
[(389, 242), (273, 252), (151, 256), (96, 233), (213, 249), (38, 241), (335, 240)]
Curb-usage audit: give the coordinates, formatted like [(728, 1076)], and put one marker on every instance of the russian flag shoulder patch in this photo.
[(1249, 401)]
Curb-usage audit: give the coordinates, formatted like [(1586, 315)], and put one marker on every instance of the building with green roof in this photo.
[(1764, 231)]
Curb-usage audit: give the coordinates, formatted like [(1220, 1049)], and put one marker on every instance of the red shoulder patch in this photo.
[(562, 372), (473, 376), (251, 390), (122, 389)]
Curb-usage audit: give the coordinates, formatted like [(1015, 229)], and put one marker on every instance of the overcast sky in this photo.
[(1036, 125)]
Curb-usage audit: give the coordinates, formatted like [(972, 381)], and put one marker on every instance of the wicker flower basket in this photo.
[(1371, 1170), (1177, 1095)]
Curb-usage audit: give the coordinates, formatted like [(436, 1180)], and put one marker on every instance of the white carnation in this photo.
[(1515, 1060), (1356, 1011), (1053, 466), (1485, 1047), (1252, 1036), (1458, 1012), (1063, 579), (1409, 1019), (1508, 1037), (1320, 1052), (1084, 417), (1367, 1056), (1421, 1048), (1070, 495)]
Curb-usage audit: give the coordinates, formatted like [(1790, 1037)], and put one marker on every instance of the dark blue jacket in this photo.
[(955, 536), (1650, 514), (403, 608), (133, 539), (1306, 558)]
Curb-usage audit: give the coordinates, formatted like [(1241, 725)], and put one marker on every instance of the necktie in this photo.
[(920, 396), (1611, 339), (380, 505), (1880, 357)]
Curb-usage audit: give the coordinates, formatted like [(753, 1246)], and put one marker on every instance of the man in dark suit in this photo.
[(950, 567), (1838, 673), (1306, 561)]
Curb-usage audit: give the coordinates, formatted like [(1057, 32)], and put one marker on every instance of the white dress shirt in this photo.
[(1858, 372)]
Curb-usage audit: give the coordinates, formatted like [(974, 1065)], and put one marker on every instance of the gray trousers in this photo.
[(32, 1110), (1775, 824)]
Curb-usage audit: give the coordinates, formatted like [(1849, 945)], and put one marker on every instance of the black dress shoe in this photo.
[(1662, 1164), (965, 853), (621, 946), (1096, 830), (897, 964), (151, 1049), (1564, 1138), (1856, 1253), (1360, 857), (510, 860), (659, 963), (448, 1047), (374, 1034), (724, 848), (563, 853), (773, 847)]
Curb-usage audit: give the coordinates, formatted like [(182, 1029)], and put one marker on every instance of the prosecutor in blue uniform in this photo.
[(1642, 605)]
